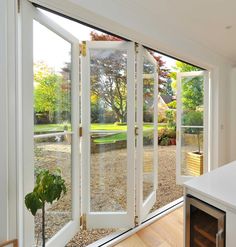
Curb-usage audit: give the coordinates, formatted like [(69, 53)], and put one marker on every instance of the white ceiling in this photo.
[(202, 21)]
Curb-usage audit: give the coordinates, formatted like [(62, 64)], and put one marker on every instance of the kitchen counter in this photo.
[(219, 185), (217, 188)]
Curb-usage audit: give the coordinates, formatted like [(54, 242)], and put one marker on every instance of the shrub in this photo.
[(161, 118), (171, 118), (194, 118), (165, 135), (165, 141), (148, 137), (172, 104)]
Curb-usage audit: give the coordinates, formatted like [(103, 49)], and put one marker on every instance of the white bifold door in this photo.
[(119, 140), (56, 146), (95, 118), (108, 139), (147, 136), (192, 125)]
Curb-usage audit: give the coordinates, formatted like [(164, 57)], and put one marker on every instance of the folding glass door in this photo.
[(108, 99), (110, 154), (56, 119), (192, 112), (147, 136), (109, 160)]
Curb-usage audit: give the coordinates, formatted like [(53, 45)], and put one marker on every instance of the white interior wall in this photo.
[(232, 111), (223, 106)]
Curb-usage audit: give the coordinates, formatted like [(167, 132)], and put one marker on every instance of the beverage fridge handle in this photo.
[(219, 238)]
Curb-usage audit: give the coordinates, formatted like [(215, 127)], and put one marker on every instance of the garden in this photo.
[(105, 195)]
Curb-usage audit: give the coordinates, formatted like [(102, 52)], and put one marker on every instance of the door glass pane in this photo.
[(52, 121), (108, 102), (192, 125), (52, 153), (148, 128)]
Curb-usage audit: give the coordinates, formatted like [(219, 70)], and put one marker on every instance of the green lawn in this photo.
[(109, 138), (96, 126), (48, 127)]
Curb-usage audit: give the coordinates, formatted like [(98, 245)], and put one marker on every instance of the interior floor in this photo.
[(165, 232)]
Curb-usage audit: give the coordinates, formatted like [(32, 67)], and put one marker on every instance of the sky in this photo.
[(55, 51)]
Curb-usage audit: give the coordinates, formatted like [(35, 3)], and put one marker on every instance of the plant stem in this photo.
[(43, 225)]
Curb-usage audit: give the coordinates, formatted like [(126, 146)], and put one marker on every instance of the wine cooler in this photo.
[(205, 224)]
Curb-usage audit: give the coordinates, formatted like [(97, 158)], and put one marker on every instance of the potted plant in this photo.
[(48, 188), (194, 159)]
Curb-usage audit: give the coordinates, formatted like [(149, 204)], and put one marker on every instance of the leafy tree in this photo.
[(192, 99), (164, 79), (51, 93), (108, 81), (167, 88), (108, 75), (48, 188), (103, 37), (163, 71), (192, 87)]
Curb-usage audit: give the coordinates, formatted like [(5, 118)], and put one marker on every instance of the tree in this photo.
[(51, 92), (108, 77), (192, 99), (108, 81), (192, 87), (164, 79), (163, 71)]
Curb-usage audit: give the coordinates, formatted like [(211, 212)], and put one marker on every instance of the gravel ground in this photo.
[(167, 191), (106, 195)]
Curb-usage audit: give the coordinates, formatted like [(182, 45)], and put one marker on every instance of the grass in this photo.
[(96, 126), (48, 127), (109, 138)]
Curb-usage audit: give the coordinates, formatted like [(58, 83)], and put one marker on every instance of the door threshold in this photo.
[(119, 236)]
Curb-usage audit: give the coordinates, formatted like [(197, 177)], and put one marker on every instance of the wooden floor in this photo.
[(165, 232)]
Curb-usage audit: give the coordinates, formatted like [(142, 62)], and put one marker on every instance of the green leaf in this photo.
[(48, 188), (33, 203)]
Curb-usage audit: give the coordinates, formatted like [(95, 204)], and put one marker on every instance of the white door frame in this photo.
[(108, 219), (143, 208), (26, 173), (180, 179)]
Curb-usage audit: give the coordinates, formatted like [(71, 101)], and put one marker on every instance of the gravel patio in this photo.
[(106, 195)]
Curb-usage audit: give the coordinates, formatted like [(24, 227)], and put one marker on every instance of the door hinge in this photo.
[(83, 48), (83, 222), (136, 131), (136, 221), (80, 131), (18, 6)]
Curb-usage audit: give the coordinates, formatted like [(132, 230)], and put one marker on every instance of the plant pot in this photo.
[(194, 162), (173, 141)]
